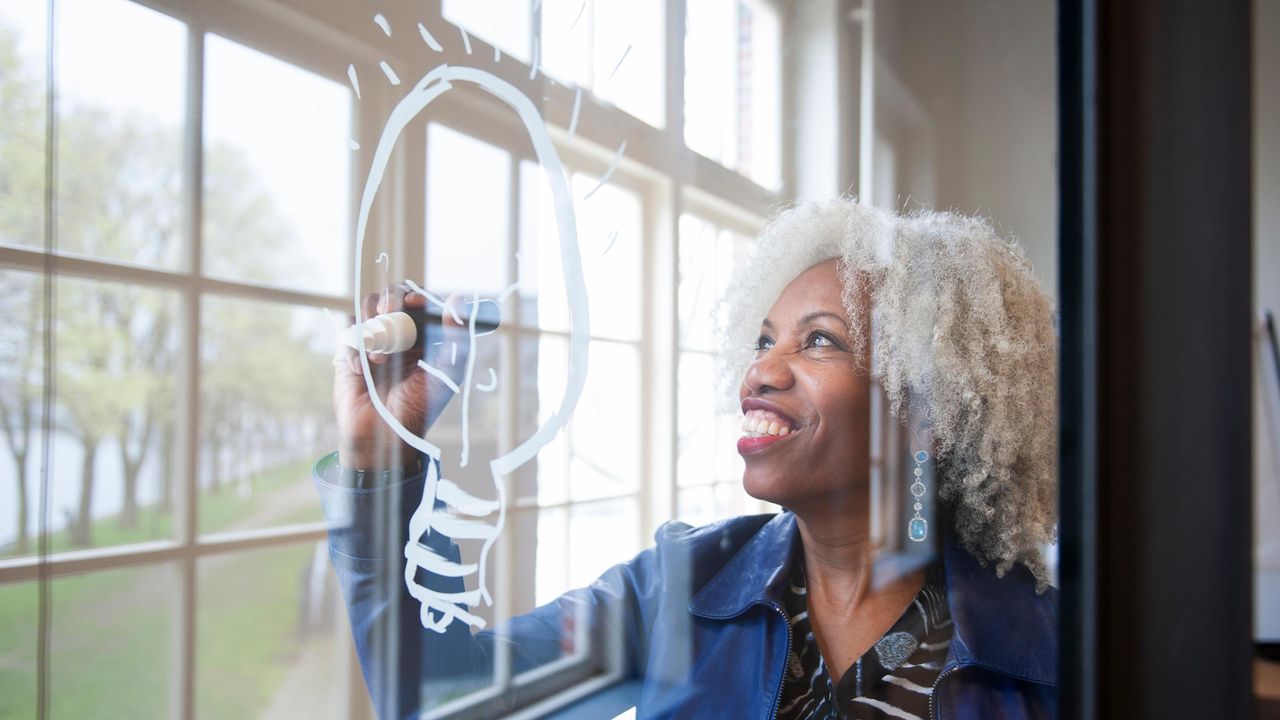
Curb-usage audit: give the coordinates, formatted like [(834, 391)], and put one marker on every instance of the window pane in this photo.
[(22, 115), (604, 435), (120, 114), (19, 613), (266, 412), (707, 257), (468, 191), (733, 86), (601, 535), (566, 40), (610, 240), (616, 50), (111, 644), (708, 503), (627, 64), (113, 461), (504, 23), (553, 554), (270, 630), (276, 166), (21, 388), (707, 442), (597, 455)]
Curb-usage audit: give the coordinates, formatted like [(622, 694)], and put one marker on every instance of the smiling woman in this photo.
[(791, 613)]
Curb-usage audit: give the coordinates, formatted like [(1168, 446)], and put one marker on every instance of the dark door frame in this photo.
[(1154, 263)]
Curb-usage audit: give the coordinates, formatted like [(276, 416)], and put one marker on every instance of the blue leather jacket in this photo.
[(698, 616)]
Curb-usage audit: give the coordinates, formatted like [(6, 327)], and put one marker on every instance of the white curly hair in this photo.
[(959, 323)]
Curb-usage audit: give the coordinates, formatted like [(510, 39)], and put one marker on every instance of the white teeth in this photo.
[(756, 426)]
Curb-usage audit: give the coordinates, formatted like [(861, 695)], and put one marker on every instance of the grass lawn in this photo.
[(111, 637)]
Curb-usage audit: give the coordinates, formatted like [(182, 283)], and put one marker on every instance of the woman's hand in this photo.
[(413, 397)]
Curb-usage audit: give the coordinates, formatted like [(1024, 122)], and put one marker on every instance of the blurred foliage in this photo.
[(119, 198)]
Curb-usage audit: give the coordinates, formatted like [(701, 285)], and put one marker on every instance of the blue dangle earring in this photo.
[(917, 526)]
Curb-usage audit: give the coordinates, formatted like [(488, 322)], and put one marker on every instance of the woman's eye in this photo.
[(821, 340), (764, 342)]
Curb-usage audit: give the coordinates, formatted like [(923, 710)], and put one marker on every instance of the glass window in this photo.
[(22, 338), (270, 635), (266, 413), (610, 232), (117, 358), (120, 110), (708, 467), (468, 191), (503, 23), (733, 86), (276, 172), (615, 50), (22, 114), (19, 638), (111, 643)]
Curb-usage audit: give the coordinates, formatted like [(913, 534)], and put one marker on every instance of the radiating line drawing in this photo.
[(608, 172), (577, 105), (578, 17), (618, 64), (382, 23), (351, 143), (466, 39), (464, 515), (429, 39), (613, 238), (391, 74), (355, 80)]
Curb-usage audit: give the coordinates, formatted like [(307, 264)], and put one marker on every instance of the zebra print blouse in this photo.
[(892, 680)]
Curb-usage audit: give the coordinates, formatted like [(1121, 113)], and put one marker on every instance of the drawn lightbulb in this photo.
[(467, 516)]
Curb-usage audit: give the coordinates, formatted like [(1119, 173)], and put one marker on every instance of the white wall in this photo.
[(967, 97)]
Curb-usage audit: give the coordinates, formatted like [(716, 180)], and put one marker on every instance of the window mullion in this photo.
[(185, 490)]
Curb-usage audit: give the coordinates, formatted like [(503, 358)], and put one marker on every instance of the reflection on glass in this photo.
[(732, 87), (111, 644), (616, 50), (269, 635), (120, 112), (276, 167), (468, 191), (265, 412), (22, 111)]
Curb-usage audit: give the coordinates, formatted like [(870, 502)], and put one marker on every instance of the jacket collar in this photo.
[(1000, 622), (754, 575)]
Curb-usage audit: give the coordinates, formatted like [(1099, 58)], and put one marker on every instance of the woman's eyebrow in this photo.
[(823, 313)]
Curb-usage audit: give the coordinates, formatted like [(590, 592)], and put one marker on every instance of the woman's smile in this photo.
[(763, 425)]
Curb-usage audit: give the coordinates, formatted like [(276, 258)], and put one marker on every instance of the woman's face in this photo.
[(805, 400)]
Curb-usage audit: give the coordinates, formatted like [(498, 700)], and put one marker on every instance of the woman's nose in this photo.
[(769, 371)]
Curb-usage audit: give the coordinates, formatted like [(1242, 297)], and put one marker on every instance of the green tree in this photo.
[(21, 223)]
